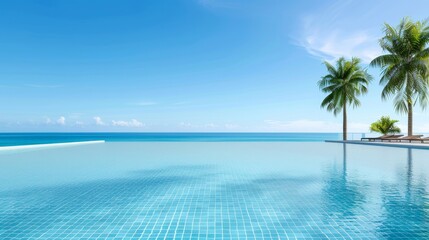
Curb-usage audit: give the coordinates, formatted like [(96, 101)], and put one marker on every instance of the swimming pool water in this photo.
[(215, 190)]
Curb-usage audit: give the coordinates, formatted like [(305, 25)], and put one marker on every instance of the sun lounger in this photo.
[(411, 138), (422, 140), (376, 138), (390, 138)]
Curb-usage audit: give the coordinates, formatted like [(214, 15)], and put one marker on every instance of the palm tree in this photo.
[(405, 66), (344, 84), (385, 125)]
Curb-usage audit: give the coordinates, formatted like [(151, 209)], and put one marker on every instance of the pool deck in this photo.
[(384, 144)]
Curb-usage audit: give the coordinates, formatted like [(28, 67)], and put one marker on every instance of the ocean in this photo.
[(15, 139)]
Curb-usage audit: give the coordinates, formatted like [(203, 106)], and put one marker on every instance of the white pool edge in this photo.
[(383, 144), (48, 145)]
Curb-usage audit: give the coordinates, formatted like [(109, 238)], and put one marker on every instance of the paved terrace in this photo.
[(385, 144)]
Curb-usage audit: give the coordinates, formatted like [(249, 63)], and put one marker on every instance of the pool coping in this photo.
[(48, 145), (383, 144)]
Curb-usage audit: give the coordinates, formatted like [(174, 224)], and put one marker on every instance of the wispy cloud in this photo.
[(337, 44), (131, 123), (331, 33)]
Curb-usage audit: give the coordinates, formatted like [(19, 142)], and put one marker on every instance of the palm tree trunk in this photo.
[(410, 118), (345, 122)]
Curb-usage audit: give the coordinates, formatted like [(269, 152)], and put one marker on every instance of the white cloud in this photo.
[(132, 123), (305, 125), (98, 121), (61, 120), (48, 121)]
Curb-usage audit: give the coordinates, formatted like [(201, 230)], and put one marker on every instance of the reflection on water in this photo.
[(405, 210), (342, 196), (402, 213)]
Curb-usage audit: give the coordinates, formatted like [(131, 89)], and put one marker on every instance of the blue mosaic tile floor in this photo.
[(215, 191)]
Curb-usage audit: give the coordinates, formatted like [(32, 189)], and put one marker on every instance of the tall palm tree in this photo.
[(344, 84), (405, 66)]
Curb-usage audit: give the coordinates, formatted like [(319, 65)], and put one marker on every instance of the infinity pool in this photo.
[(215, 190)]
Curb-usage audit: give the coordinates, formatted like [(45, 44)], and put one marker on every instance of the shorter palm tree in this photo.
[(344, 83), (385, 125)]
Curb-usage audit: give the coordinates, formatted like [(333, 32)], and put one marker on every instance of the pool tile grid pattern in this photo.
[(194, 202)]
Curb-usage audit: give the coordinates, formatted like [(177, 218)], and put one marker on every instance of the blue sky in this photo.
[(187, 65)]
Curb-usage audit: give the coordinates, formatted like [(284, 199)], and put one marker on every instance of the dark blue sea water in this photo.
[(14, 139)]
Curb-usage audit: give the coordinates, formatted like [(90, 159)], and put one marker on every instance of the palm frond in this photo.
[(344, 83), (405, 65)]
